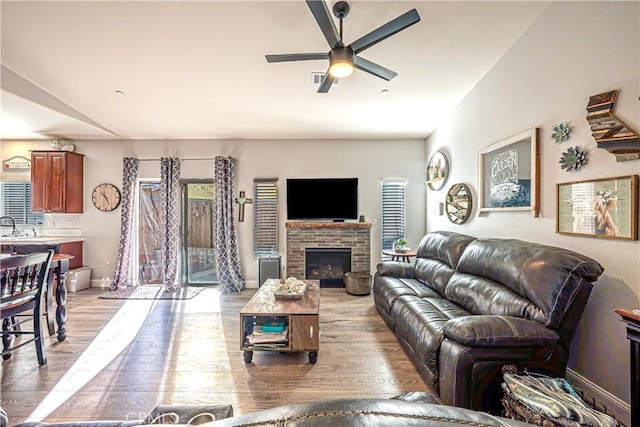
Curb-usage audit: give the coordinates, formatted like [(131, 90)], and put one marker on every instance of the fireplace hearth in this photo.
[(328, 265)]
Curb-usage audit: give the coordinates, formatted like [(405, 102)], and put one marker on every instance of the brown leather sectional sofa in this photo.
[(470, 305)]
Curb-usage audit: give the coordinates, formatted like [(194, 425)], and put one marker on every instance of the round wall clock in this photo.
[(106, 197)]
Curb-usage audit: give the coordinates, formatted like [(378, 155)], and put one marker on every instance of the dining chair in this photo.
[(22, 282), (49, 312)]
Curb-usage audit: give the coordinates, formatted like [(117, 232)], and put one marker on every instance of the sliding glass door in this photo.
[(149, 239), (198, 259)]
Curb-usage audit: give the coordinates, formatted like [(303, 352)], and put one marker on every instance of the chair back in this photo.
[(21, 281)]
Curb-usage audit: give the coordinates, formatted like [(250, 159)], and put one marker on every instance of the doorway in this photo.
[(198, 243), (149, 237)]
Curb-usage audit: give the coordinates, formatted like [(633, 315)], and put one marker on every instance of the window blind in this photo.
[(265, 216), (16, 203), (393, 211)]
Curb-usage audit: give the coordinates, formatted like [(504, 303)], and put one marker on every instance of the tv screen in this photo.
[(322, 198)]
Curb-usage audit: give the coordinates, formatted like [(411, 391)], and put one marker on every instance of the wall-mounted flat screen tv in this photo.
[(322, 198)]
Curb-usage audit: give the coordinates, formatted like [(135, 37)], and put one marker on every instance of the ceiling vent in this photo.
[(317, 76)]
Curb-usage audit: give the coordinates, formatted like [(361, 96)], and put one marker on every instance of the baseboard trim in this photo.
[(616, 406), (100, 283), (251, 284)]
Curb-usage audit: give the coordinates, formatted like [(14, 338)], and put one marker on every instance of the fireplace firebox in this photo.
[(327, 265)]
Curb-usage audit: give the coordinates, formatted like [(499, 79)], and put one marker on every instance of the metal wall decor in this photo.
[(561, 132), (459, 203), (573, 159), (437, 171)]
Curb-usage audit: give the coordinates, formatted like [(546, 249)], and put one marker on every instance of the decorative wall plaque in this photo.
[(16, 163)]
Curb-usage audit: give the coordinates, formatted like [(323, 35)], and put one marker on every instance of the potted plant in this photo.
[(400, 245)]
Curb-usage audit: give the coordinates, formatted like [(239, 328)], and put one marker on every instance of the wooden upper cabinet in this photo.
[(57, 181)]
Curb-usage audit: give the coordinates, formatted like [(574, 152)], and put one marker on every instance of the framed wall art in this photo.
[(605, 207), (437, 171), (509, 172)]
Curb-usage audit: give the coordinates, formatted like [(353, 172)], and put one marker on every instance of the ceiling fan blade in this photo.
[(326, 83), (286, 57), (390, 28), (320, 11), (373, 68)]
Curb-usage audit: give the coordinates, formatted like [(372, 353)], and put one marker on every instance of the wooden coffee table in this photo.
[(300, 317)]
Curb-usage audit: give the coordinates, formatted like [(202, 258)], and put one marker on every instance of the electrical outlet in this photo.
[(51, 223), (107, 264), (70, 223)]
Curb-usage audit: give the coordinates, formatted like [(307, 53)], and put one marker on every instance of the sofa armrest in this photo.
[(498, 331), (396, 269)]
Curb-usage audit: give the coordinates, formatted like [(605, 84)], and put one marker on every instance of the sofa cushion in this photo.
[(444, 246), (547, 276), (420, 322), (395, 269), (498, 331), (480, 295), (390, 289), (433, 273)]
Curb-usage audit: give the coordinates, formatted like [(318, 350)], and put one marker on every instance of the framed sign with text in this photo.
[(509, 174)]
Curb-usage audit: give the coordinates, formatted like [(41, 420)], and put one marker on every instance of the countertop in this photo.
[(40, 240)]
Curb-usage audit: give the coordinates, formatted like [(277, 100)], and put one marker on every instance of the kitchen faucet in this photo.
[(13, 224)]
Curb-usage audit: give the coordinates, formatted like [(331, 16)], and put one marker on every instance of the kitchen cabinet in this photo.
[(57, 181)]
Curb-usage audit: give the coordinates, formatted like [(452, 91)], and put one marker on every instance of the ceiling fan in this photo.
[(343, 59)]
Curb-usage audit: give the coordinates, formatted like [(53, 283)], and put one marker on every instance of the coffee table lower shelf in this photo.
[(302, 334)]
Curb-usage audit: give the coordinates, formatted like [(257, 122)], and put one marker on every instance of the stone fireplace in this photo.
[(327, 238)]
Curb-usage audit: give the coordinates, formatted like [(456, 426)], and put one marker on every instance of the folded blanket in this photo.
[(555, 398)]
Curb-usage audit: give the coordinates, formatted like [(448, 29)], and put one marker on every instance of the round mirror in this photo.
[(458, 204), (437, 171)]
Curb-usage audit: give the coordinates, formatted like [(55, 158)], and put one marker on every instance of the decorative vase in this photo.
[(57, 144)]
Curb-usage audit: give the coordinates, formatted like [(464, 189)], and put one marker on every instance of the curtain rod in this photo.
[(181, 158)]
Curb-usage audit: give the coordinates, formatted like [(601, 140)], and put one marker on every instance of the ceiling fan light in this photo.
[(341, 68)]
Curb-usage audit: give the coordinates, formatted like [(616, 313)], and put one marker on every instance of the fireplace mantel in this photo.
[(295, 224), (303, 235)]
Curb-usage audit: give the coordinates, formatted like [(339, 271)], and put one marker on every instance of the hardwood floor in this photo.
[(121, 358)]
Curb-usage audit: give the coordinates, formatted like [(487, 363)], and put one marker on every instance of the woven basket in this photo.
[(516, 410), (357, 282)]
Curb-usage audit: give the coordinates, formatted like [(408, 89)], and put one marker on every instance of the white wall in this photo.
[(573, 51), (369, 160)]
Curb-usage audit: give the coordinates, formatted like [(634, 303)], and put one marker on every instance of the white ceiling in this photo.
[(197, 69)]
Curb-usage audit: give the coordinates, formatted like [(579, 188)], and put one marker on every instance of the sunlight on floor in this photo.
[(108, 344), (112, 340), (209, 304)]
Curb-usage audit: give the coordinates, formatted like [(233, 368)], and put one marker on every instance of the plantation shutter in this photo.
[(265, 216), (16, 203), (393, 211)]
